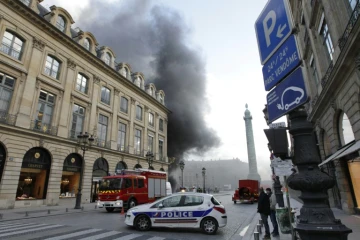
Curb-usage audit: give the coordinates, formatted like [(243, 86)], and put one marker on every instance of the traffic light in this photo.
[(278, 141)]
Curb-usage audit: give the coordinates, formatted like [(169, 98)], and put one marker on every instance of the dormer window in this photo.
[(161, 99), (151, 91), (60, 23), (107, 58), (26, 2), (87, 44)]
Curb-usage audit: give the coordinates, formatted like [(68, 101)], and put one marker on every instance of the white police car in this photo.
[(183, 210)]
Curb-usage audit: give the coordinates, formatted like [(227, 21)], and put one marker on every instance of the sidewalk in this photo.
[(43, 211), (350, 221)]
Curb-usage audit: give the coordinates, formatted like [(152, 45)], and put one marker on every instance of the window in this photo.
[(352, 4), (105, 95), (82, 83), (138, 112), (124, 72), (60, 23), (161, 99), (137, 142), (324, 32), (102, 129), (45, 109), (121, 137), (107, 58), (12, 45), (6, 89), (151, 119), (124, 105), (161, 125), (141, 183), (26, 2), (193, 200), (161, 150), (87, 44), (313, 69), (150, 143), (346, 133), (52, 67), (77, 121), (151, 91)]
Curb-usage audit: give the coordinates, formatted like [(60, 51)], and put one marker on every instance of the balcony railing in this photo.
[(353, 19), (104, 144), (123, 148), (7, 118), (138, 152), (38, 126), (11, 51)]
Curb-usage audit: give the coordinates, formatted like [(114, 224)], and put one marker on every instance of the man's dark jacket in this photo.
[(264, 204)]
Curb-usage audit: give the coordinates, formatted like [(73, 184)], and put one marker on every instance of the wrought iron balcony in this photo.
[(13, 52), (138, 152), (353, 20), (123, 148), (38, 126), (104, 144), (7, 118)]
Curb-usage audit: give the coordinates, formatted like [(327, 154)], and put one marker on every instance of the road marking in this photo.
[(156, 238), (12, 228), (27, 230), (355, 216), (69, 236), (242, 233), (99, 236), (128, 237), (4, 226)]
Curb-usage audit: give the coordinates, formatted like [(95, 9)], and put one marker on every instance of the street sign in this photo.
[(272, 27), (282, 62), (282, 167), (283, 171), (277, 125), (288, 95)]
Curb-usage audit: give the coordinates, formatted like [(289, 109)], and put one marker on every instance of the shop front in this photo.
[(100, 170), (34, 175), (2, 160), (120, 166), (71, 174)]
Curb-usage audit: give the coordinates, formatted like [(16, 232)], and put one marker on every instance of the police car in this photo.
[(180, 210)]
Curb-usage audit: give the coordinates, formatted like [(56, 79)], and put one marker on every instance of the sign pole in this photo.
[(288, 204)]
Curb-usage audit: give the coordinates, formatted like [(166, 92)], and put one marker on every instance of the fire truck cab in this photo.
[(130, 188)]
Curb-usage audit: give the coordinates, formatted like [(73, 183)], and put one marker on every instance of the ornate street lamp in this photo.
[(85, 143), (149, 158), (182, 165), (197, 184), (203, 171)]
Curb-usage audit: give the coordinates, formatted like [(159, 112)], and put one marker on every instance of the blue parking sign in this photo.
[(273, 27)]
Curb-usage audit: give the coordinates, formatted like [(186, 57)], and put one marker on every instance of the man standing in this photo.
[(264, 210), (272, 198)]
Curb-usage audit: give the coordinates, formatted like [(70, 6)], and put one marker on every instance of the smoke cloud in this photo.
[(153, 39)]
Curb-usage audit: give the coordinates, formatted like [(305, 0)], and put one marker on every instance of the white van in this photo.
[(168, 189)]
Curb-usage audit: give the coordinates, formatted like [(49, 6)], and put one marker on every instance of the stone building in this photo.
[(328, 35), (55, 82)]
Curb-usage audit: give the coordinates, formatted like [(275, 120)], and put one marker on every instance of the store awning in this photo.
[(351, 149), (337, 153)]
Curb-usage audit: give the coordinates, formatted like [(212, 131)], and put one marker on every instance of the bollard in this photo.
[(48, 211), (261, 222), (1, 216), (67, 209), (26, 214), (95, 206), (256, 236), (258, 227), (82, 208)]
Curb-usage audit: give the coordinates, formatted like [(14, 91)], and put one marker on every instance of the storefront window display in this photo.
[(34, 175), (100, 169), (354, 169), (70, 176)]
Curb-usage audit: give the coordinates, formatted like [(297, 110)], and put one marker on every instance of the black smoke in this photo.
[(153, 39)]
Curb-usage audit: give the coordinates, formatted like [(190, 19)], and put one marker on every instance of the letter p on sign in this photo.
[(269, 29)]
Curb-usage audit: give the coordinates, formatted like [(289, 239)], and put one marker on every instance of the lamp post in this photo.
[(85, 143), (149, 158), (203, 171), (197, 183), (182, 165)]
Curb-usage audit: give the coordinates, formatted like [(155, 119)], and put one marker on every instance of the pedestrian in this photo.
[(264, 210), (272, 198)]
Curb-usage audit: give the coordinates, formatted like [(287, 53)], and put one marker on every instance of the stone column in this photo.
[(166, 139), (63, 130), (132, 119), (93, 112), (146, 134), (157, 120), (316, 220), (24, 116), (114, 128)]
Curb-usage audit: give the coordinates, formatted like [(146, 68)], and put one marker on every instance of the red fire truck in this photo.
[(130, 188), (248, 191)]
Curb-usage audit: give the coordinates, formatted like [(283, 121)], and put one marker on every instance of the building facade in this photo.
[(328, 34), (56, 82)]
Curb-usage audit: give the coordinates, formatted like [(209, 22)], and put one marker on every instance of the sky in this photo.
[(223, 32)]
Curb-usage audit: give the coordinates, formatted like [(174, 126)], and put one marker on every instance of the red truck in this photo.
[(130, 188), (248, 191)]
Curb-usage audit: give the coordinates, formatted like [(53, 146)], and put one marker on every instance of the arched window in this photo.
[(346, 133), (82, 83), (161, 98), (100, 168), (151, 168), (87, 44), (70, 178), (162, 169), (26, 2), (137, 166), (120, 166), (12, 45), (151, 91), (52, 67), (61, 23), (107, 58), (138, 112)]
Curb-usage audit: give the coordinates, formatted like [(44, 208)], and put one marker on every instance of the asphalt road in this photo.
[(111, 225)]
